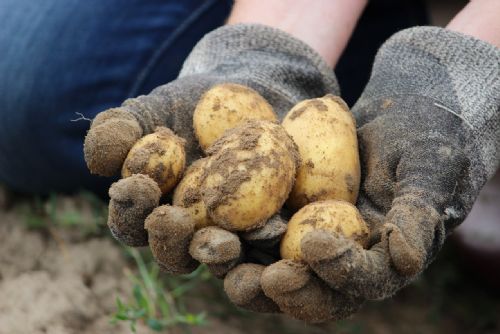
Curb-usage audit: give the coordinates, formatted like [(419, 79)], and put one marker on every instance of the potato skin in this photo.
[(160, 155), (249, 175), (226, 106), (332, 216), (187, 194), (325, 133)]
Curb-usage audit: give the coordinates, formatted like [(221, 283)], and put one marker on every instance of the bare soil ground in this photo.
[(65, 280)]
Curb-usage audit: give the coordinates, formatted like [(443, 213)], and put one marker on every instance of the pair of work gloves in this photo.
[(429, 137)]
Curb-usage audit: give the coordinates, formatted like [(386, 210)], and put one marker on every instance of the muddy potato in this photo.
[(227, 106), (331, 216), (187, 194), (160, 155), (249, 175), (325, 133)]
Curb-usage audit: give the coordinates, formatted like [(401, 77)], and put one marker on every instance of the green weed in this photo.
[(85, 213), (158, 300)]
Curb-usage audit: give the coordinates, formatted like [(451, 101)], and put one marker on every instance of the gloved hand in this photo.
[(429, 135), (281, 68)]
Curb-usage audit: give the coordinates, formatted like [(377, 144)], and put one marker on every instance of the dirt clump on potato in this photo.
[(131, 201), (170, 230), (249, 175), (226, 106), (160, 155)]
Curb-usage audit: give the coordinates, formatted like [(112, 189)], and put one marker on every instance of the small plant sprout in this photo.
[(158, 300)]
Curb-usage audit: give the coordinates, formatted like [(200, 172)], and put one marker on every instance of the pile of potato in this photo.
[(254, 167)]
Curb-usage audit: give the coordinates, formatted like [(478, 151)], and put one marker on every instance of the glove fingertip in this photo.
[(284, 276), (214, 245), (242, 285), (267, 236), (131, 201), (407, 261), (109, 140), (170, 230), (320, 245)]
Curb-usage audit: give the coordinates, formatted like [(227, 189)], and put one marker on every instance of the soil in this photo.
[(56, 281), (51, 285)]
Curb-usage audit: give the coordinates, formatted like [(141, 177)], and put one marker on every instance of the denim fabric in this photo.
[(60, 57)]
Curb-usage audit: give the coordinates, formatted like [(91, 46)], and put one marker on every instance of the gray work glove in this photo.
[(429, 135), (282, 69)]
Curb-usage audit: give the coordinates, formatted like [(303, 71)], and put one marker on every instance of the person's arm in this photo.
[(428, 128), (480, 20), (325, 25)]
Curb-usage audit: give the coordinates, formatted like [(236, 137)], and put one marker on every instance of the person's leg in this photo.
[(60, 57)]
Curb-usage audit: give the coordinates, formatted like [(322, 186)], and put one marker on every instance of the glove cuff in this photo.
[(286, 69), (459, 72)]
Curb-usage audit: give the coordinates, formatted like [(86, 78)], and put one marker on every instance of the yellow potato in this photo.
[(331, 216), (325, 133), (227, 106), (187, 194), (160, 155), (249, 175)]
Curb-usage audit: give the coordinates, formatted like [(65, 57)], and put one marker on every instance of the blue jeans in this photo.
[(62, 57)]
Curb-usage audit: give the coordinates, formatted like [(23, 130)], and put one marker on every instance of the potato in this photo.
[(325, 133), (160, 155), (331, 216), (226, 106), (188, 195), (249, 175)]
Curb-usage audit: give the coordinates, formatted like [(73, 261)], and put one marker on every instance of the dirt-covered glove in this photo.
[(429, 134), (281, 68)]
